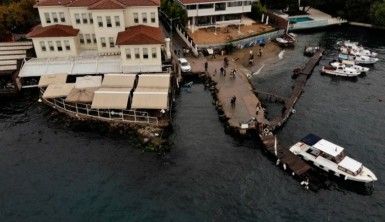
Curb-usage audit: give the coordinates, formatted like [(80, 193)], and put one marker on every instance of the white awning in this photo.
[(58, 90), (80, 65), (88, 82), (46, 80), (328, 147), (154, 81), (350, 164), (119, 80), (150, 98), (111, 98)]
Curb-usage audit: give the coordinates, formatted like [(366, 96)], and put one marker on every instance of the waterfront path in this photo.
[(247, 106)]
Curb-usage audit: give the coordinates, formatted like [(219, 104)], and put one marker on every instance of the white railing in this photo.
[(85, 110)]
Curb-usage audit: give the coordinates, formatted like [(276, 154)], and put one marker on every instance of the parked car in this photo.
[(184, 65)]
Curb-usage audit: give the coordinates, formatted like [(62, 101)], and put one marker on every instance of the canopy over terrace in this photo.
[(88, 82), (81, 65), (85, 95), (119, 80), (154, 81), (58, 90), (52, 79), (111, 98), (150, 98)]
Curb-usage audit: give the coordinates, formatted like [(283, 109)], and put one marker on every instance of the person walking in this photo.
[(260, 51), (206, 66), (222, 71)]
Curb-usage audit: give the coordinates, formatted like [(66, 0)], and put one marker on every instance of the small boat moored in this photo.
[(332, 159), (340, 71), (358, 59), (354, 48), (349, 64)]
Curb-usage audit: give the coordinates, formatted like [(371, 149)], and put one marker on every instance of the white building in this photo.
[(129, 28), (208, 13)]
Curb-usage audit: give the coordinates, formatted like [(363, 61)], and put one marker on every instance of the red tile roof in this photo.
[(140, 35), (107, 4), (81, 3), (196, 1), (99, 4), (53, 31)]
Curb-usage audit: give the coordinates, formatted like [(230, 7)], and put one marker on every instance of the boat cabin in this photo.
[(319, 147)]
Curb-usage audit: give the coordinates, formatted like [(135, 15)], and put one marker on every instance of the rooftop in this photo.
[(98, 4), (53, 31), (140, 34)]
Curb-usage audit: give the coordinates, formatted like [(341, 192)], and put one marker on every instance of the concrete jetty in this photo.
[(247, 115)]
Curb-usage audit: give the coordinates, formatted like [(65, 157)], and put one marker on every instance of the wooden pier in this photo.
[(247, 112)]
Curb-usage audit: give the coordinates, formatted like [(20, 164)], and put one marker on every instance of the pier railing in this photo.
[(85, 110)]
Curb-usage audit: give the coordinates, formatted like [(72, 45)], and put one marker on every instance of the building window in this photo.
[(205, 6), (234, 4), (81, 37), (91, 19), (145, 53), (117, 21), (190, 7), (67, 45), (94, 38), (103, 42), (153, 17), (54, 17), (100, 21), (137, 55), (111, 41), (221, 6), (50, 45), (153, 52), (108, 20), (42, 45), (77, 18), (62, 17), (144, 17), (47, 17), (59, 46), (136, 18), (88, 39), (246, 3), (128, 53), (84, 18)]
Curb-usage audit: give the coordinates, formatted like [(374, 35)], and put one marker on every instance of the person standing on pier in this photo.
[(222, 71), (233, 100)]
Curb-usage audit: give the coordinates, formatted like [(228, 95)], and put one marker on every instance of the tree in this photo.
[(257, 9), (174, 10), (377, 13), (17, 16)]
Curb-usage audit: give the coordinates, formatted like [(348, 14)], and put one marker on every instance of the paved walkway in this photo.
[(247, 105)]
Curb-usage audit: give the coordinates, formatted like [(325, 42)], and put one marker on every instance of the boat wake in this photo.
[(257, 72), (280, 55)]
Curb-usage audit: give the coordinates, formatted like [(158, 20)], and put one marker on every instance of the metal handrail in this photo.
[(85, 109)]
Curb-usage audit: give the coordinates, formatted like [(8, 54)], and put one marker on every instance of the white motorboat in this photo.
[(358, 59), (332, 159), (340, 71), (349, 64), (357, 51)]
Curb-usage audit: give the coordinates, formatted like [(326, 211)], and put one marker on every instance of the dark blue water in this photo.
[(52, 171)]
